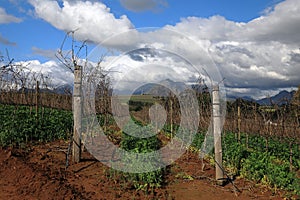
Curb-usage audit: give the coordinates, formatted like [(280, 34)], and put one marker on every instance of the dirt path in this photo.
[(39, 172)]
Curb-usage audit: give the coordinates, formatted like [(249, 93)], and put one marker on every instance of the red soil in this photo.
[(39, 172)]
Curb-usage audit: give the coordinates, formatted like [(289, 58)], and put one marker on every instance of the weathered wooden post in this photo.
[(171, 116), (239, 123), (77, 111), (37, 97), (217, 134)]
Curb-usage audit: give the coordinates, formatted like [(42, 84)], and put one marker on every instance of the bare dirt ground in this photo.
[(39, 172)]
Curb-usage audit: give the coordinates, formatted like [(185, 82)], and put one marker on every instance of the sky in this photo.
[(254, 45)]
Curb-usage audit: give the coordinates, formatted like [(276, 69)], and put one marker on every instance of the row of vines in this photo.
[(261, 143)]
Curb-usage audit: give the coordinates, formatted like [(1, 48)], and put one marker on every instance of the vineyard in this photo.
[(268, 155), (260, 146)]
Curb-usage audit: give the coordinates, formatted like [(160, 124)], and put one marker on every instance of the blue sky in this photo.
[(171, 13), (33, 32), (254, 43)]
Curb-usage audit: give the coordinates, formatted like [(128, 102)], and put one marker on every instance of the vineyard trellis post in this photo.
[(77, 113), (70, 60), (37, 97), (217, 134), (239, 123)]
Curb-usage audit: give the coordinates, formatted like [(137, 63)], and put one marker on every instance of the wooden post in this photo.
[(239, 124), (247, 140), (77, 111), (217, 135), (291, 156), (171, 116), (255, 114), (170, 99), (37, 96)]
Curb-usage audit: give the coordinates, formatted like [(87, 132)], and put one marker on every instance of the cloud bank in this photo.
[(255, 57)]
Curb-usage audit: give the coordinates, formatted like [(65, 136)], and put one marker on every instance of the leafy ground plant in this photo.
[(148, 180), (270, 167), (21, 125)]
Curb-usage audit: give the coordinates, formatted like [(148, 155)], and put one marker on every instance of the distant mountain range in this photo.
[(283, 97), (233, 98), (163, 89), (63, 89)]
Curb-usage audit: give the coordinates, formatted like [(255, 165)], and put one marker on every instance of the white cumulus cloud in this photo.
[(58, 74), (92, 21)]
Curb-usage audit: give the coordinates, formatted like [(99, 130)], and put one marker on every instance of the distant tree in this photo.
[(12, 74), (296, 105), (296, 97)]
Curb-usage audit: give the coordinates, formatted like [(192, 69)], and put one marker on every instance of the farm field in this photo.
[(34, 165), (149, 100), (39, 172)]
